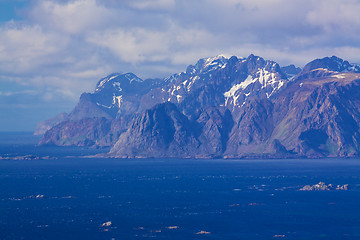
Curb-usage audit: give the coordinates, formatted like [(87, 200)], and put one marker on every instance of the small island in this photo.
[(321, 186)]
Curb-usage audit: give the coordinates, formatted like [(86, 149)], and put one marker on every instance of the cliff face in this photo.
[(220, 107), (320, 116), (158, 132)]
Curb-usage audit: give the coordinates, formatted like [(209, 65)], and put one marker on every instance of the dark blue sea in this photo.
[(72, 197)]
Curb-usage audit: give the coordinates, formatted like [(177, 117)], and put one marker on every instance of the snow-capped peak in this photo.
[(132, 77), (267, 82), (104, 80), (206, 65), (214, 62), (115, 80)]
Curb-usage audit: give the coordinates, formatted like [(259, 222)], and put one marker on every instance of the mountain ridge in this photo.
[(222, 107)]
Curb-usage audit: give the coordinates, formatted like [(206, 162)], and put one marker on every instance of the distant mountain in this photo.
[(46, 125), (333, 63), (115, 99), (291, 70), (115, 95), (222, 107)]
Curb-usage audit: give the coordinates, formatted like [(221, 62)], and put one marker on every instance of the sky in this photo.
[(53, 50)]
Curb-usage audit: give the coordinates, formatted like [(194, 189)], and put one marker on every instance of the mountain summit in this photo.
[(222, 107), (332, 64)]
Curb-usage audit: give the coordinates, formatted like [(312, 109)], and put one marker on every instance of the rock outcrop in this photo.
[(321, 186)]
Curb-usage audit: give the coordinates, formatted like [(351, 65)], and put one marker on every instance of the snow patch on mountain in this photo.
[(354, 68), (207, 65), (214, 63), (188, 83), (101, 105), (173, 77), (115, 80), (116, 85), (117, 100), (339, 76), (178, 98), (219, 60), (131, 77), (266, 78), (249, 80), (231, 94), (271, 82), (101, 83), (323, 69), (174, 89)]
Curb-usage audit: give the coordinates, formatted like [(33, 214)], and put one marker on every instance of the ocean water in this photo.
[(74, 197)]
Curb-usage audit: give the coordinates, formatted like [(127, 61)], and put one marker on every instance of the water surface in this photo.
[(71, 198)]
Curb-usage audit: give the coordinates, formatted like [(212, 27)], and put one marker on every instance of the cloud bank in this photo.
[(61, 48)]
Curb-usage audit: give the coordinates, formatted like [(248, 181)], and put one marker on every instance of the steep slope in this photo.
[(163, 131), (159, 132), (252, 129), (320, 116), (214, 125)]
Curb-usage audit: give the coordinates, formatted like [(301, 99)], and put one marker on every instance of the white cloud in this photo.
[(336, 17), (66, 46), (13, 93), (62, 47), (140, 45), (23, 48), (152, 4), (73, 17), (133, 46)]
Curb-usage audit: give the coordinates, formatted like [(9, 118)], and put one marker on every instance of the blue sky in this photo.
[(9, 9), (53, 50)]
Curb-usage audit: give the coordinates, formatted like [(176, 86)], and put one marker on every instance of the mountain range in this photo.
[(220, 108)]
